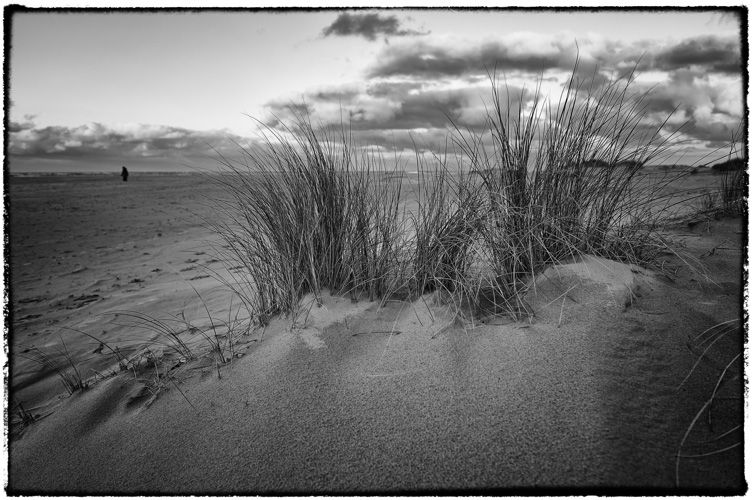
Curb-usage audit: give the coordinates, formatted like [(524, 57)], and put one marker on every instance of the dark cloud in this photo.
[(709, 52), (368, 26), (432, 61), (389, 88), (693, 92), (114, 141), (706, 54), (335, 94), (443, 59), (714, 132), (397, 116), (413, 115), (17, 127), (661, 104), (377, 107), (28, 123), (690, 102), (282, 113)]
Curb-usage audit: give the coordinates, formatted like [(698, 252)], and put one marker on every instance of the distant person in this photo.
[(124, 174)]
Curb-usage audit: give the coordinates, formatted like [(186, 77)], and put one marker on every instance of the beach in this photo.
[(590, 394)]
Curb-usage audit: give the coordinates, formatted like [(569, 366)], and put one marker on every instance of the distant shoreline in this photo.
[(87, 174), (652, 169)]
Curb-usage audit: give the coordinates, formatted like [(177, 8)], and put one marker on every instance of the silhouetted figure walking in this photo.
[(124, 174)]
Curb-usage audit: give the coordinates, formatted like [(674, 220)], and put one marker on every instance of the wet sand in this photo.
[(583, 397)]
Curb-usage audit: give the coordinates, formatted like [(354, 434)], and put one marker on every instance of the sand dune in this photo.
[(583, 396)]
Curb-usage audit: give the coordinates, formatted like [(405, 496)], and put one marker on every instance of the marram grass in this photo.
[(309, 211)]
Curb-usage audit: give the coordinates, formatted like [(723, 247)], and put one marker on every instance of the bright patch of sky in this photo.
[(199, 71)]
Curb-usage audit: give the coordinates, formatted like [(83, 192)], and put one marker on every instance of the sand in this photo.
[(353, 398)]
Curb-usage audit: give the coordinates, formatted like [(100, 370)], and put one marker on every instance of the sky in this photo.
[(169, 90)]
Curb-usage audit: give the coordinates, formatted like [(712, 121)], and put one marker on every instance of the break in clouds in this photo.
[(419, 86)]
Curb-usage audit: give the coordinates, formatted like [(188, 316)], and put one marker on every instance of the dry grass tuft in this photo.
[(543, 183)]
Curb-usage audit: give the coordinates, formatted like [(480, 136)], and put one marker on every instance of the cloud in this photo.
[(710, 107), (445, 57), (395, 114), (119, 140), (408, 114), (373, 107), (369, 26), (416, 90), (712, 53), (28, 123)]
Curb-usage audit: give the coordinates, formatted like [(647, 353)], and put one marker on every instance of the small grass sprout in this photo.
[(59, 362), (730, 438)]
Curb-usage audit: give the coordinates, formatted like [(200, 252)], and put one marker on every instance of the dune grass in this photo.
[(727, 439), (60, 362), (313, 216), (20, 417), (154, 363), (309, 210), (561, 181), (730, 199), (734, 189)]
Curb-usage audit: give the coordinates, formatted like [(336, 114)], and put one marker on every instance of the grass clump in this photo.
[(729, 199), (60, 362), (561, 181), (449, 216), (155, 361), (734, 189), (314, 214), (23, 416), (542, 183)]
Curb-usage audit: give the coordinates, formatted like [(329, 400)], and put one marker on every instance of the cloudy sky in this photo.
[(160, 90)]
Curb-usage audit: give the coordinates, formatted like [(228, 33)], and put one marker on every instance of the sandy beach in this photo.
[(587, 396)]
